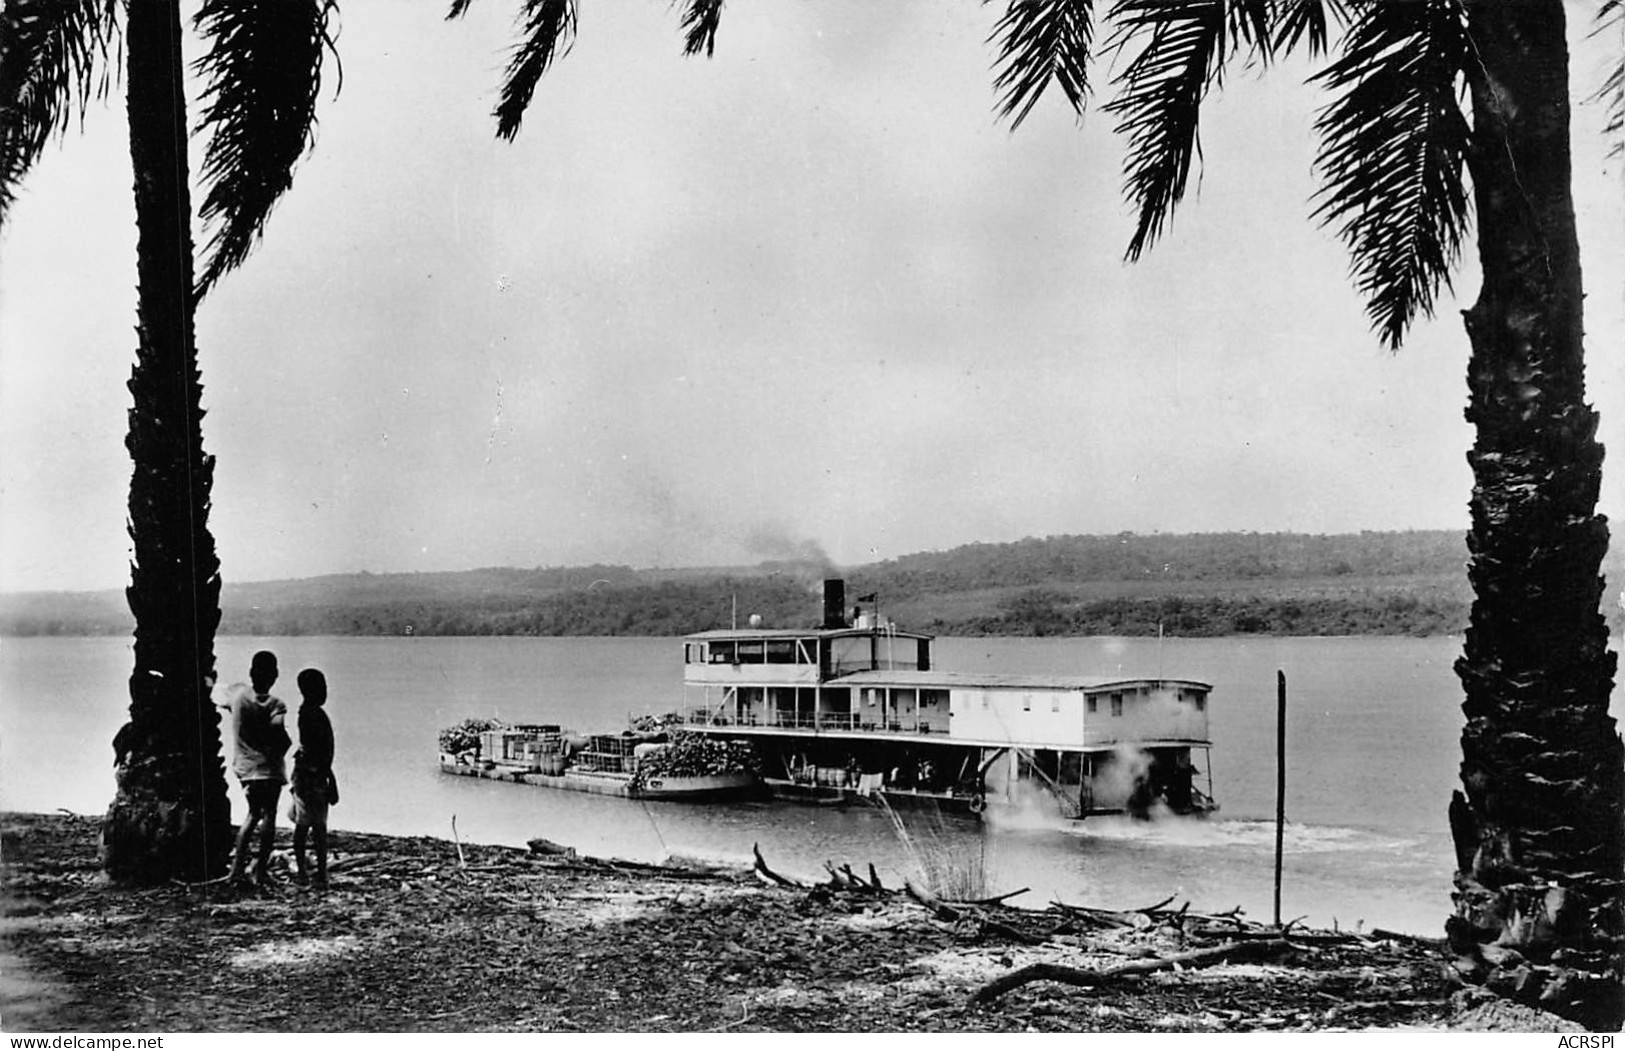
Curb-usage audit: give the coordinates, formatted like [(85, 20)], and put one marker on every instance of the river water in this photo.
[(1372, 756)]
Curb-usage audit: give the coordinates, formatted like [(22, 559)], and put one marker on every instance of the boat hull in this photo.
[(706, 788), (948, 803)]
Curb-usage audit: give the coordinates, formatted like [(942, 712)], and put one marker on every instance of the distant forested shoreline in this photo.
[(1208, 584)]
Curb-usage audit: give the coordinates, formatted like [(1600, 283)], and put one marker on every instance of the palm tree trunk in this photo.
[(171, 817), (1540, 844)]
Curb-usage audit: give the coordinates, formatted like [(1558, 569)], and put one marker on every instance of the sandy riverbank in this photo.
[(415, 935)]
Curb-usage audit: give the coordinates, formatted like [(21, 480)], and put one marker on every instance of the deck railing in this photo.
[(843, 722)]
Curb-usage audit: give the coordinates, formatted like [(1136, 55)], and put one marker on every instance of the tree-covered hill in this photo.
[(1399, 583)]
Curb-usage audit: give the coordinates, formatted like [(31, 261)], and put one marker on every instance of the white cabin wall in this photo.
[(749, 674), (1037, 717), (1148, 715)]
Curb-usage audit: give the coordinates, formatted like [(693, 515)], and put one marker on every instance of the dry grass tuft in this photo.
[(943, 867)]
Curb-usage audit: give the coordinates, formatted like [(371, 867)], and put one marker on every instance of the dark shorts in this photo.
[(262, 795), (308, 810)]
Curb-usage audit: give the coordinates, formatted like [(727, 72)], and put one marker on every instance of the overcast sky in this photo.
[(808, 294)]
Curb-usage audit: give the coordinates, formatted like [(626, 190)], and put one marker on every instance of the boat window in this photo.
[(781, 651), (750, 653), (1117, 704), (1092, 702), (1199, 699), (851, 655), (722, 653)]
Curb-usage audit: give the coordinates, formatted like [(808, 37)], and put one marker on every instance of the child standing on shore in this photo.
[(314, 786), (261, 742)]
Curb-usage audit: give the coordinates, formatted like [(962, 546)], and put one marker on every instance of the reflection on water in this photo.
[(1371, 760)]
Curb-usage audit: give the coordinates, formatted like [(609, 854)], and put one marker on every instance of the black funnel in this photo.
[(834, 603)]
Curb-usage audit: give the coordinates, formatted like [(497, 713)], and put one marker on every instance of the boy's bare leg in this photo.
[(239, 857), (320, 835), (262, 863), (299, 836)]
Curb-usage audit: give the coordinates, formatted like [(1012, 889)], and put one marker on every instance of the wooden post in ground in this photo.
[(1280, 784)]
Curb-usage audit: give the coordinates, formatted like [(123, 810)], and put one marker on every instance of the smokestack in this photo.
[(834, 603)]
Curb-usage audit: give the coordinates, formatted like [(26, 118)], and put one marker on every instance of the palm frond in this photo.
[(262, 73), (1042, 41), (1611, 19), (53, 62), (1392, 155), (550, 27), (1182, 46), (700, 21), (1180, 51), (1298, 20), (1252, 22)]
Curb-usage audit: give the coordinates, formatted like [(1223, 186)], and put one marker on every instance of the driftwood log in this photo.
[(1054, 972), (844, 878), (997, 899), (955, 912), (1270, 933), (768, 874), (1379, 934)]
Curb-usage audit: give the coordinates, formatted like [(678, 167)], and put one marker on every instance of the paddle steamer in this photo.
[(856, 707)]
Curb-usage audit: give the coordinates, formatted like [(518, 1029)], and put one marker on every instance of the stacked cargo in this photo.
[(694, 755)]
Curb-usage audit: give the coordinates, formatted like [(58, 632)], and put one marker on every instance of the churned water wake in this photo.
[(1243, 834)]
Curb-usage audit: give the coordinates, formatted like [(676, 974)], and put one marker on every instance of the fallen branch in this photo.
[(1379, 934), (1300, 938), (997, 899), (768, 874), (1052, 972), (931, 901), (462, 862), (682, 875), (741, 1020), (1099, 917), (358, 866), (176, 881), (655, 868), (954, 912), (842, 878), (354, 861)]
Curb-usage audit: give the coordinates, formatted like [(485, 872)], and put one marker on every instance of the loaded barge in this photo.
[(647, 763), (856, 708)]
